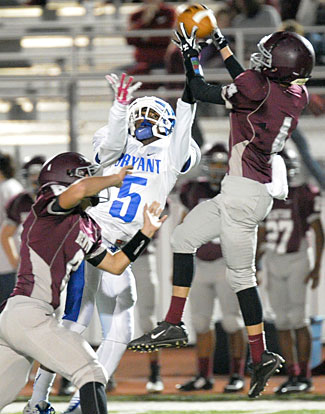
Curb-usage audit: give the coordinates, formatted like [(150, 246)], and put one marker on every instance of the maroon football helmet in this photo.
[(66, 168), (32, 165), (215, 163), (284, 57)]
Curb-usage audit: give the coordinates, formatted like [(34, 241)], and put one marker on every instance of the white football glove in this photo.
[(122, 89)]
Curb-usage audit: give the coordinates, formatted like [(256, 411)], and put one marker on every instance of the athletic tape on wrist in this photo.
[(135, 246)]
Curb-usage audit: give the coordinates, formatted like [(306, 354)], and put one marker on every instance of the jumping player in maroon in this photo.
[(58, 234), (265, 102)]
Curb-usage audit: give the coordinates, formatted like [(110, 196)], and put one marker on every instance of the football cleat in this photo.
[(111, 384), (291, 386), (196, 384), (155, 385), (74, 406), (165, 335), (307, 383), (262, 371), (236, 383), (66, 387), (43, 407)]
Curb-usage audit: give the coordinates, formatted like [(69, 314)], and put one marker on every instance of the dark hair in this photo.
[(6, 165)]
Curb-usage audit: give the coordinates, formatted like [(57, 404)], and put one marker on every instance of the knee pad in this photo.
[(232, 323), (240, 279), (92, 372), (179, 241), (127, 299), (298, 319), (282, 322), (201, 323)]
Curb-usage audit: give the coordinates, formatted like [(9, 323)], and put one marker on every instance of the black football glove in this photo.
[(218, 39), (190, 51)]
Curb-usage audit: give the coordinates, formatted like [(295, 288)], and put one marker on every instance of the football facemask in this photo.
[(150, 117)]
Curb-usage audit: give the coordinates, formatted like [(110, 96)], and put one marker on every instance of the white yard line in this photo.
[(137, 407)]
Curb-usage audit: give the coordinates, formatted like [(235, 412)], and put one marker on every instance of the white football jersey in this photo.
[(155, 170)]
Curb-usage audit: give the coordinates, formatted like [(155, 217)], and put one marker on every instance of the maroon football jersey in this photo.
[(191, 194), (289, 219), (263, 116), (53, 244), (19, 206)]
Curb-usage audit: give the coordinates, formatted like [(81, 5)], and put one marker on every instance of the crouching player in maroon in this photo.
[(58, 234), (266, 102)]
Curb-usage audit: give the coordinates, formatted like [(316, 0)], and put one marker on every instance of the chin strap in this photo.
[(144, 131)]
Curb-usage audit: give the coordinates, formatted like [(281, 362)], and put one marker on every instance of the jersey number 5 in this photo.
[(129, 211)]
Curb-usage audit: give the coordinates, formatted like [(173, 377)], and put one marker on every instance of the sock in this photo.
[(74, 401), (154, 371), (42, 386), (293, 370), (93, 398), (237, 366), (176, 310), (205, 367), (257, 346), (304, 369)]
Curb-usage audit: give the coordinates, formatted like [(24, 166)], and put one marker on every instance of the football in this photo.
[(200, 16)]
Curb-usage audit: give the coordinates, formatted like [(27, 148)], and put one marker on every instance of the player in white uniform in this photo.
[(158, 144)]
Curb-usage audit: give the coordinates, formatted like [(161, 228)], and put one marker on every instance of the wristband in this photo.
[(135, 246)]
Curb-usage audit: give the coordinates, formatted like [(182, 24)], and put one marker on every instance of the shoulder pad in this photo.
[(252, 84)]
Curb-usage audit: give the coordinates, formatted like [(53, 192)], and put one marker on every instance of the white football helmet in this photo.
[(150, 117)]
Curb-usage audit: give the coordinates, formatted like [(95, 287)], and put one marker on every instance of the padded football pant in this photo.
[(286, 288), (210, 283), (29, 331), (233, 216)]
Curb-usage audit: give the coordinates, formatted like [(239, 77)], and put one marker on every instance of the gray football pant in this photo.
[(233, 216), (29, 331), (287, 288)]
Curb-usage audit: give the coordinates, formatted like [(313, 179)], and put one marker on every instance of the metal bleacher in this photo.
[(53, 62)]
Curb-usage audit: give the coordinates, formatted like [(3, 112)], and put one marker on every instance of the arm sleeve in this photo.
[(179, 150), (203, 91), (96, 260), (233, 66), (109, 141)]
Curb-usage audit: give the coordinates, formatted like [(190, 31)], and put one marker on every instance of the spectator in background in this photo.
[(254, 14), (150, 51), (9, 187)]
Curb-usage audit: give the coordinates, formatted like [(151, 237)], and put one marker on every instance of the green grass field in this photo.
[(193, 404)]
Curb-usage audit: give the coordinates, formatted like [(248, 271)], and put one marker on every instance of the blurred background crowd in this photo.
[(54, 55)]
